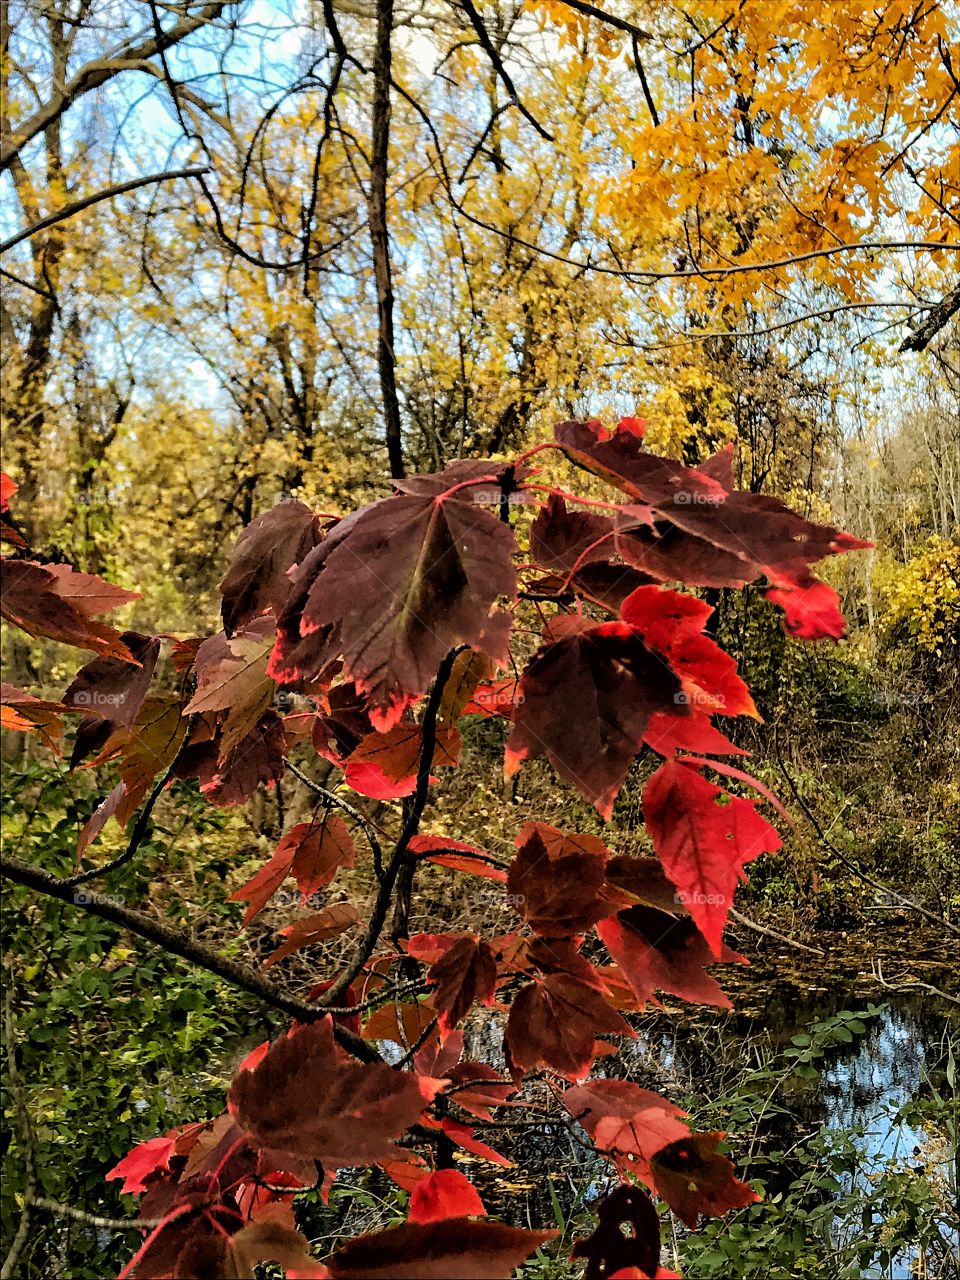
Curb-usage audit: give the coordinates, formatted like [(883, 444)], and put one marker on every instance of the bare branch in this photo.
[(98, 72)]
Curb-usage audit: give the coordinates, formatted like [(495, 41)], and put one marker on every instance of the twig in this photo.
[(411, 825), (94, 1219), (912, 984), (850, 865), (772, 933), (347, 808), (380, 236), (483, 36)]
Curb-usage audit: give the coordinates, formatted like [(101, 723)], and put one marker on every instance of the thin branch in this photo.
[(609, 19), (98, 72), (332, 798), (34, 288), (842, 857), (180, 943), (380, 236), (94, 1219), (398, 857), (483, 36), (647, 95), (772, 933), (77, 206)]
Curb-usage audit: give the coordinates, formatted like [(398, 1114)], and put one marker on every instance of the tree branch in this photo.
[(398, 857), (930, 326), (180, 943), (78, 206), (98, 72), (487, 44)]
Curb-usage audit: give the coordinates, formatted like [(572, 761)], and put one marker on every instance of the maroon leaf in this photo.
[(465, 974), (394, 588), (257, 578), (695, 1181), (627, 1236), (56, 602), (557, 880), (455, 1249), (110, 693), (659, 952), (307, 1097), (555, 1020), (257, 758), (587, 696)]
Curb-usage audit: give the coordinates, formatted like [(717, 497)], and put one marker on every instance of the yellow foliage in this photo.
[(924, 595)]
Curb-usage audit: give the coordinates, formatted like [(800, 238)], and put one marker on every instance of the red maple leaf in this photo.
[(660, 952), (702, 844), (587, 696), (269, 546), (557, 878), (307, 1097), (444, 1194)]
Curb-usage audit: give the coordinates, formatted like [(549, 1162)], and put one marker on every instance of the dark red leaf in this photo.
[(697, 1182), (110, 693), (394, 588), (588, 695), (627, 1235), (56, 602), (456, 1249), (257, 758), (555, 1020), (307, 1097), (557, 880), (257, 578), (464, 975), (659, 952)]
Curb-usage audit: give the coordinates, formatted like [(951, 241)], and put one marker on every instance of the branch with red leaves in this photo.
[(392, 625)]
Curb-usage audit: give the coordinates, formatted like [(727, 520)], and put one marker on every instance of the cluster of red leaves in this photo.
[(356, 616)]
